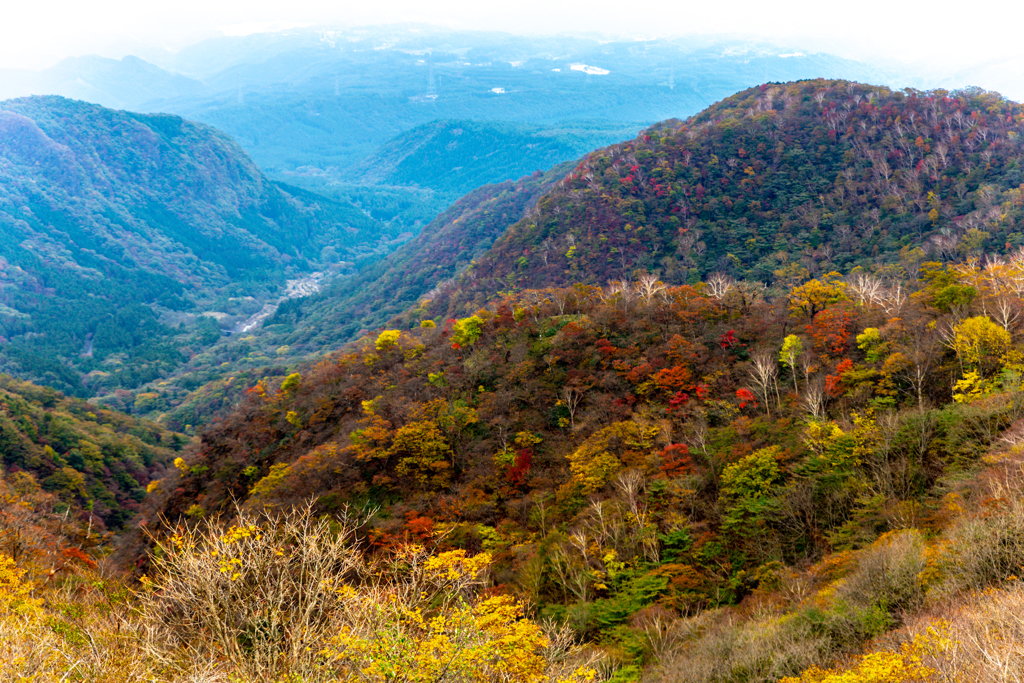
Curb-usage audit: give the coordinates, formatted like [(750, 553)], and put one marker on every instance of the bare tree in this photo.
[(572, 397), (865, 289), (719, 285), (649, 286), (814, 401), (764, 372)]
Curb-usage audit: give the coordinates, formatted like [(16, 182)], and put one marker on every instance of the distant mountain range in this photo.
[(330, 110)]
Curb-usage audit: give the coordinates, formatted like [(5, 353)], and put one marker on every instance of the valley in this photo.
[(415, 354)]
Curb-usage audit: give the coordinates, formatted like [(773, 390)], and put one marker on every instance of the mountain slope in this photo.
[(456, 157), (90, 457), (776, 182), (114, 224)]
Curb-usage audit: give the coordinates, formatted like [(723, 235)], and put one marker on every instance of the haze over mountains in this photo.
[(317, 107), (400, 121)]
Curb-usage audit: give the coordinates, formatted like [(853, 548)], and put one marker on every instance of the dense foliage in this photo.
[(97, 462), (649, 450), (742, 475), (775, 184)]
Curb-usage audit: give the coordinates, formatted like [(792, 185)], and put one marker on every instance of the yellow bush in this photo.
[(15, 592), (387, 339), (904, 666)]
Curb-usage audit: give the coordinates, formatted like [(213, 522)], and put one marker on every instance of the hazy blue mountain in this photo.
[(455, 157), (116, 83), (324, 100), (331, 110)]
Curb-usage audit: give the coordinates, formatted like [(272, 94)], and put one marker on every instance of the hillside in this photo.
[(119, 229), (456, 157), (774, 183), (652, 457), (97, 462), (721, 480), (210, 383), (810, 476), (396, 283)]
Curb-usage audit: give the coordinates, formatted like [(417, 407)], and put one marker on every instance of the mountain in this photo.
[(774, 480), (323, 99), (209, 384), (323, 108), (123, 233), (126, 83), (775, 182), (456, 157), (762, 472)]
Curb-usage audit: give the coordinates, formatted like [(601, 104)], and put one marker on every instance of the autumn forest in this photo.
[(738, 400)]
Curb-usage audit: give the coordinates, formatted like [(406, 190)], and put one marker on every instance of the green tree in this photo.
[(792, 347), (747, 489)]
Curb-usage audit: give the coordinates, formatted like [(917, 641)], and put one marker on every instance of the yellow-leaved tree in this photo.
[(981, 346), (906, 665), (428, 627), (598, 458)]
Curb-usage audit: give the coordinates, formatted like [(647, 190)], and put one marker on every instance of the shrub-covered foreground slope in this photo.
[(118, 226), (775, 183), (642, 454)]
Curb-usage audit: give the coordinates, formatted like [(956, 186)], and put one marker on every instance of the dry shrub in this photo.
[(983, 636), (288, 597), (986, 545), (259, 594), (85, 629), (886, 574), (718, 646)]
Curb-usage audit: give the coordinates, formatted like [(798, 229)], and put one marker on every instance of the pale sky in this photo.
[(38, 33)]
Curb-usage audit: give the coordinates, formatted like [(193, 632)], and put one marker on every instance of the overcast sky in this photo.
[(38, 33)]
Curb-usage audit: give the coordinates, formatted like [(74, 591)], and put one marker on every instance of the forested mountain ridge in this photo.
[(779, 181), (775, 184), (117, 226), (727, 480), (762, 477)]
